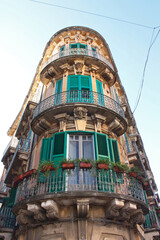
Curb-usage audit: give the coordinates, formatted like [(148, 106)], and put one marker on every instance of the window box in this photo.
[(118, 169), (133, 174), (85, 165), (67, 166), (102, 166), (47, 168), (29, 173), (17, 180)]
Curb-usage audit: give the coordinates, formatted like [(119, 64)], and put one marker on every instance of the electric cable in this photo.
[(92, 13)]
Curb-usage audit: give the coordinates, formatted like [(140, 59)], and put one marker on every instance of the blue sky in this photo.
[(26, 27)]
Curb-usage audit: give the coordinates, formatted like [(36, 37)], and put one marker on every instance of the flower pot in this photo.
[(17, 180), (154, 225), (29, 173), (67, 166), (133, 174), (47, 168), (102, 166), (140, 178), (118, 170), (84, 165)]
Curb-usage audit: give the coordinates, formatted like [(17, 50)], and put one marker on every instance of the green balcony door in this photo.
[(58, 92), (100, 93), (79, 88), (78, 49)]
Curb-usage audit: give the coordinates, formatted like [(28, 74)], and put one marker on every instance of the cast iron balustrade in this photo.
[(7, 218), (79, 96), (79, 180), (79, 52), (3, 187), (24, 146)]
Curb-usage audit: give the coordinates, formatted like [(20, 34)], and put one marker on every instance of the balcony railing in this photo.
[(79, 52), (151, 220), (7, 218), (13, 143), (23, 145), (3, 187), (79, 180), (78, 96)]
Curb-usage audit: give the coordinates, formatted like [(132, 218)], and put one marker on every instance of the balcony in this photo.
[(53, 65), (81, 182), (65, 102), (19, 161)]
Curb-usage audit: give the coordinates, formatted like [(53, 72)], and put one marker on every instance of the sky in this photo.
[(26, 27)]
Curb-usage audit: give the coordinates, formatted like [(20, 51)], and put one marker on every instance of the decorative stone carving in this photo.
[(80, 115), (113, 210), (98, 121), (51, 208), (38, 212), (78, 37), (24, 217), (137, 217), (78, 67)]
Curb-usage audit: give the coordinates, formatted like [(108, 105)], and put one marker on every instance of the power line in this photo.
[(92, 13), (144, 69)]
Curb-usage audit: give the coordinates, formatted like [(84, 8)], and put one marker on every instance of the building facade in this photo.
[(76, 167)]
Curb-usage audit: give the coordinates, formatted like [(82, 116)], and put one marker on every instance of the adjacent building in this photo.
[(77, 109)]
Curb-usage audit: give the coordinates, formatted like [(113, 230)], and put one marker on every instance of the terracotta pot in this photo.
[(102, 166), (85, 165), (133, 174), (67, 165), (118, 170), (48, 168)]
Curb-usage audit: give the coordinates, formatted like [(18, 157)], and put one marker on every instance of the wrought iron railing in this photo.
[(79, 180), (7, 218), (151, 220), (77, 51), (79, 96)]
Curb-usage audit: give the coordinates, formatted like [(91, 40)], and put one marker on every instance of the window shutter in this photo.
[(58, 144), (62, 48), (110, 150), (74, 45), (102, 146), (46, 150), (126, 139), (115, 151), (58, 86), (73, 82), (85, 82)]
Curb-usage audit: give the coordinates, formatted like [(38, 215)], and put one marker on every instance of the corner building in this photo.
[(77, 108)]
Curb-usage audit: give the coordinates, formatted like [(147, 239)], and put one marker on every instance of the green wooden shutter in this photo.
[(110, 150), (12, 197), (113, 150), (73, 88), (46, 150), (58, 92), (126, 139), (58, 86), (74, 45), (100, 93), (102, 152), (61, 53), (58, 154)]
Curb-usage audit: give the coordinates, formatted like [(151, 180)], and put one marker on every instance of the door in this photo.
[(100, 95), (81, 147)]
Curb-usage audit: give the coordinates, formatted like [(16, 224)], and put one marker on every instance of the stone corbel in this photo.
[(82, 213), (78, 37), (24, 217), (51, 207), (38, 212), (137, 217), (113, 211), (65, 67), (62, 119), (80, 117), (115, 125), (98, 120), (127, 210), (93, 68)]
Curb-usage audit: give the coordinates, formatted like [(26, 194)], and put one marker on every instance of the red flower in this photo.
[(29, 173), (118, 170), (17, 180), (133, 174), (48, 168)]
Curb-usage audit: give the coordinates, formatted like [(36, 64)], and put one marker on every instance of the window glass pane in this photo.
[(87, 150), (84, 137), (76, 137), (74, 149)]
